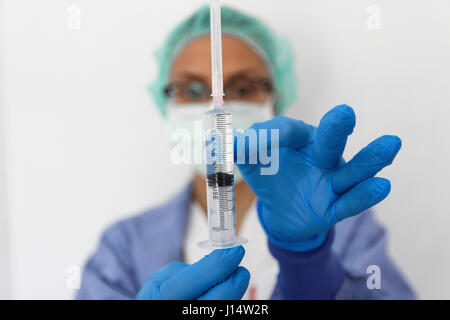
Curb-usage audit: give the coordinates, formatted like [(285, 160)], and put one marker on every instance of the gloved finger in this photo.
[(331, 135), (358, 199), (148, 291), (278, 132), (199, 277), (233, 288), (377, 155)]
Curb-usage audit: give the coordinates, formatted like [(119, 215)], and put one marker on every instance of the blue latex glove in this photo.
[(215, 277), (314, 188)]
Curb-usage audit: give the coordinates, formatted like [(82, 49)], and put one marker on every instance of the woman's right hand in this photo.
[(217, 276)]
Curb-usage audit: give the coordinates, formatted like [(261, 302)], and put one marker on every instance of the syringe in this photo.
[(219, 152)]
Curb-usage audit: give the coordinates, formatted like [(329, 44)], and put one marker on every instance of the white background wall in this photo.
[(4, 239), (83, 144)]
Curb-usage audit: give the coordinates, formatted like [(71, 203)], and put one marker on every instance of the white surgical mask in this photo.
[(187, 124)]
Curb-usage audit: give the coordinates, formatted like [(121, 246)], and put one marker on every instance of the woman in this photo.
[(313, 251)]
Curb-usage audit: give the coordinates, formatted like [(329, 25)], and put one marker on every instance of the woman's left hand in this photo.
[(314, 188)]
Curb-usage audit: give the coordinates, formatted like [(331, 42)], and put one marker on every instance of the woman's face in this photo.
[(245, 76)]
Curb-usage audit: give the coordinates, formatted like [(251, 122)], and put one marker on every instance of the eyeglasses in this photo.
[(242, 89)]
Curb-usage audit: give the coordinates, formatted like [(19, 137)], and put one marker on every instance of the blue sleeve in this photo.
[(363, 243), (360, 242), (108, 274), (315, 274)]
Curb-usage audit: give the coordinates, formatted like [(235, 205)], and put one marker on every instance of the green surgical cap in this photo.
[(275, 50)]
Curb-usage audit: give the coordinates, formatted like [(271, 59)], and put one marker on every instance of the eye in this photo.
[(245, 91), (196, 90), (242, 90)]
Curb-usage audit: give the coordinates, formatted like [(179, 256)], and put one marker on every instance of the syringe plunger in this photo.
[(216, 53)]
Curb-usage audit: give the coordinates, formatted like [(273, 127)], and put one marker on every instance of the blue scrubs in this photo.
[(131, 249)]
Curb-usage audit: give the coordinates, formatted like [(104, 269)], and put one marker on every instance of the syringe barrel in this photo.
[(219, 177)]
